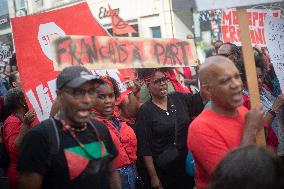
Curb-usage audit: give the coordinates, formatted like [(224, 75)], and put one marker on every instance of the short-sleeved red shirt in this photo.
[(210, 137), (12, 127)]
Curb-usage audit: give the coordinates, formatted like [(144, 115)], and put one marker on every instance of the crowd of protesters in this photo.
[(98, 137)]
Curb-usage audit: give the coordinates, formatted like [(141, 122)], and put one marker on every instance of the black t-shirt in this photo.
[(71, 167), (155, 127)]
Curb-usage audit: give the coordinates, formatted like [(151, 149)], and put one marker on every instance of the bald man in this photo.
[(226, 124)]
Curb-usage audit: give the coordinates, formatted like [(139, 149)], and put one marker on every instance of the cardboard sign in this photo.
[(274, 33), (202, 5), (230, 25), (115, 52), (32, 35)]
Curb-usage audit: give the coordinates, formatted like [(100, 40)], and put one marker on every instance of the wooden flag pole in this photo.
[(250, 68)]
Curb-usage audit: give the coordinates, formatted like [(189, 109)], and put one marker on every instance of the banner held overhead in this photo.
[(120, 52)]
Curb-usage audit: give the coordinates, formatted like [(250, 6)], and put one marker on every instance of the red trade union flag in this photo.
[(119, 26), (32, 35)]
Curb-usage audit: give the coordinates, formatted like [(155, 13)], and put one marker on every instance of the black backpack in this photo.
[(4, 157), (54, 139)]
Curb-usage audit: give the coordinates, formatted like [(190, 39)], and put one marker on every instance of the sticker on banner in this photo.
[(46, 33)]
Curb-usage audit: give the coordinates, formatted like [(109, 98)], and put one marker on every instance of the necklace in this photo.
[(79, 129), (68, 128)]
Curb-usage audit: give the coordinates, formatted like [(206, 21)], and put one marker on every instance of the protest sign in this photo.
[(250, 68), (32, 36), (202, 5), (274, 33), (231, 30), (121, 52)]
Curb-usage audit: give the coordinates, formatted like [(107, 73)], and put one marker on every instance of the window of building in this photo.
[(4, 7), (20, 4), (111, 33), (156, 32), (135, 26)]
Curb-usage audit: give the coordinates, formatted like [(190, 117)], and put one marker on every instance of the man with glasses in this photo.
[(73, 151)]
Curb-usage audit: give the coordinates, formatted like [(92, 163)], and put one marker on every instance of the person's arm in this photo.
[(30, 180), (28, 119), (154, 179), (277, 104), (195, 103), (131, 104), (55, 108), (254, 121), (114, 177), (144, 141)]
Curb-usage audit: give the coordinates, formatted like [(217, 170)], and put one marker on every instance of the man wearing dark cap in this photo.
[(73, 151)]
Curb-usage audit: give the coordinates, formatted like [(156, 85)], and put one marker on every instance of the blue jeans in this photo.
[(128, 177)]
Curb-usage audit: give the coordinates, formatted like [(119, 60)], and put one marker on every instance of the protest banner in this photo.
[(274, 33), (231, 30), (32, 36), (121, 52), (202, 5)]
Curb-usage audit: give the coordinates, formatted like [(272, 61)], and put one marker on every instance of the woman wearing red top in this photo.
[(122, 135), (16, 126)]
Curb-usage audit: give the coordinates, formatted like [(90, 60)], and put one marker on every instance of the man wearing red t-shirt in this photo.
[(226, 124)]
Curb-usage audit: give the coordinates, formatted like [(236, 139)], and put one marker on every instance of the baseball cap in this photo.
[(73, 77)]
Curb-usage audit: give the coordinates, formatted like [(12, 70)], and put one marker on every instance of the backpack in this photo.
[(54, 140), (4, 157)]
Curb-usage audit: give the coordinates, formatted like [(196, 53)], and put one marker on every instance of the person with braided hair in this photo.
[(122, 134), (230, 51)]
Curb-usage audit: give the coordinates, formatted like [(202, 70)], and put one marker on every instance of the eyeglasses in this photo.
[(160, 80), (225, 55), (80, 93)]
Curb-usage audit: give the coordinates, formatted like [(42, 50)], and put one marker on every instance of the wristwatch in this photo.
[(272, 112)]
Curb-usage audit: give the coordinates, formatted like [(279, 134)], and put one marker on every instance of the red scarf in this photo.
[(177, 86)]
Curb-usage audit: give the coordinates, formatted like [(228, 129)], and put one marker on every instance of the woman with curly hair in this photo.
[(16, 125)]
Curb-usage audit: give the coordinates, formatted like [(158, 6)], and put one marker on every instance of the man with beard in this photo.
[(72, 151), (226, 124)]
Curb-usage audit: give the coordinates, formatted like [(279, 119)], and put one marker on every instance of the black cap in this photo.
[(73, 77)]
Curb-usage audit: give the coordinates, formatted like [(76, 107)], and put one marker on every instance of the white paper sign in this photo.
[(274, 35), (202, 5)]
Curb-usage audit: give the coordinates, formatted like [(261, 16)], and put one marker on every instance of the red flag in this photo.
[(119, 26)]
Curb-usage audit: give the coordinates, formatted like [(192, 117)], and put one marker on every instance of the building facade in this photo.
[(151, 18)]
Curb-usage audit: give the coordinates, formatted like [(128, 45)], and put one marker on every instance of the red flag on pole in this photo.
[(119, 26)]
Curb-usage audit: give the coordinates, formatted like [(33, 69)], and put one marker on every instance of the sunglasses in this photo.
[(80, 93), (160, 80), (225, 55)]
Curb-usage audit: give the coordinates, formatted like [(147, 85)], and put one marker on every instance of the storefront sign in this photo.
[(4, 21), (104, 12)]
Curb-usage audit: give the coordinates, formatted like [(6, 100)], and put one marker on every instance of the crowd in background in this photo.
[(148, 137)]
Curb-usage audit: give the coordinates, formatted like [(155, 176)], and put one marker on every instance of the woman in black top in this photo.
[(156, 125)]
